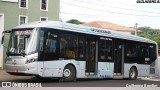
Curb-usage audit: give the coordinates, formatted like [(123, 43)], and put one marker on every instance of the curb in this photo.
[(150, 78)]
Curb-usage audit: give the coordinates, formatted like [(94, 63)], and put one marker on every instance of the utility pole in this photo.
[(136, 24)]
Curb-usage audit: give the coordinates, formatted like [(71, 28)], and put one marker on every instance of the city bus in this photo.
[(53, 49)]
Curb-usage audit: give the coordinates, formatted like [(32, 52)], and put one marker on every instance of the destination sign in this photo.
[(97, 30), (102, 31), (25, 32)]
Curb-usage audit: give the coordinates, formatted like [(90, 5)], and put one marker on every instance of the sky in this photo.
[(122, 12)]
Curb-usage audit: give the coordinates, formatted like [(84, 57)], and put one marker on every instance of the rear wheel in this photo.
[(133, 73), (69, 73)]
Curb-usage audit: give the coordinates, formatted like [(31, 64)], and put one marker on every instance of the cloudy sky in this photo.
[(122, 12)]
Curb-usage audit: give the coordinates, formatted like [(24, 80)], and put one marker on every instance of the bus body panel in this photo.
[(32, 64), (55, 68), (143, 70), (81, 66), (105, 69)]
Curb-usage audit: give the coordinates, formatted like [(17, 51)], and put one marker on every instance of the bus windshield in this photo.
[(20, 40)]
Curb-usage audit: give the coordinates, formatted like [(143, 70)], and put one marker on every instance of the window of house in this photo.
[(23, 3), (22, 19), (105, 49), (44, 5), (43, 18)]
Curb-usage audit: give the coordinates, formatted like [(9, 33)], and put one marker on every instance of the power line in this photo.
[(106, 10), (88, 15), (115, 7)]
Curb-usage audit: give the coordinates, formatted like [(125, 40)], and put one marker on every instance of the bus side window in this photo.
[(41, 46), (131, 50), (68, 46), (50, 48), (81, 48), (105, 50), (152, 53), (143, 53)]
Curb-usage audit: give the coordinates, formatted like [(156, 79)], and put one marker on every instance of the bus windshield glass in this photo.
[(19, 41)]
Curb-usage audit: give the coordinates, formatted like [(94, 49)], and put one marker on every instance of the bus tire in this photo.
[(69, 73), (133, 73)]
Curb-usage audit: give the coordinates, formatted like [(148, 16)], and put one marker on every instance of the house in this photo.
[(111, 26), (17, 12)]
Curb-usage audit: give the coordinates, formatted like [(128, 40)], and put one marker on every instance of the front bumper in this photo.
[(21, 70)]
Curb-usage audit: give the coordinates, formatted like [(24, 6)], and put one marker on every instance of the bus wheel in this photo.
[(133, 73), (69, 73)]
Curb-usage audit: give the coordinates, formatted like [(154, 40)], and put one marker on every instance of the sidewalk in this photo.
[(7, 77), (150, 78)]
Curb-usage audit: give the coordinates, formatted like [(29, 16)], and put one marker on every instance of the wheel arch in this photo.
[(135, 68), (136, 71)]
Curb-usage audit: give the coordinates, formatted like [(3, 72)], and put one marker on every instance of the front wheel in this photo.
[(133, 73), (69, 73)]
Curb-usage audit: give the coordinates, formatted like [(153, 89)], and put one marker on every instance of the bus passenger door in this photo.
[(118, 59), (90, 57)]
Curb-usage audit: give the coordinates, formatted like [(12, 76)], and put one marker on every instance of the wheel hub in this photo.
[(132, 73), (67, 72)]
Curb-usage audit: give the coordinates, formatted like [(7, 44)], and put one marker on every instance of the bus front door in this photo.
[(118, 59), (90, 57)]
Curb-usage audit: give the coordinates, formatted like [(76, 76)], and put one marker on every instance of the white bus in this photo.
[(55, 49)]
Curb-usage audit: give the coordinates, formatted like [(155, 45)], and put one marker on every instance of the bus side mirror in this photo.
[(6, 31), (2, 40)]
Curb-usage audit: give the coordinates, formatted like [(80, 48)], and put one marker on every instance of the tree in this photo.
[(153, 34), (74, 21)]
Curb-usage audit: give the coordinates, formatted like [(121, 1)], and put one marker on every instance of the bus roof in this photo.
[(84, 29)]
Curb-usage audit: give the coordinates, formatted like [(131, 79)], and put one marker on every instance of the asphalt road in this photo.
[(88, 83)]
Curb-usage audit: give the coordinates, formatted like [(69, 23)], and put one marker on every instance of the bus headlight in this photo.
[(31, 60)]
